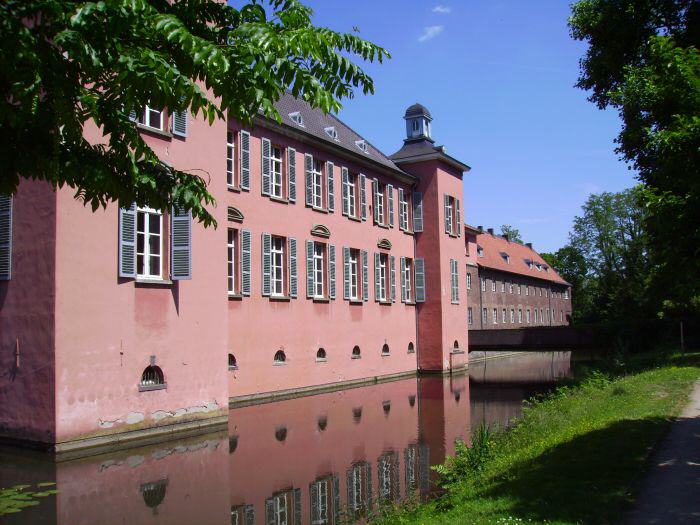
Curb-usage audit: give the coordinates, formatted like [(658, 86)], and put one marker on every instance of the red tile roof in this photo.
[(495, 248)]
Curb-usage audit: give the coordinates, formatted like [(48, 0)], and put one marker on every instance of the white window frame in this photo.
[(281, 510), (319, 266), (317, 185), (351, 191), (354, 274), (231, 159), (503, 287), (147, 118), (321, 503), (527, 316), (483, 284), (449, 211), (146, 254), (383, 263), (469, 281), (495, 316), (504, 316), (276, 173), (408, 283), (484, 316), (493, 285), (512, 315), (403, 210), (277, 266), (520, 316), (232, 261), (379, 202)]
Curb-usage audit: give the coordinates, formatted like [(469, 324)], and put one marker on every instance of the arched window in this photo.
[(153, 494), (356, 352), (152, 379), (280, 357), (455, 346), (281, 433), (385, 349), (411, 348), (321, 355), (232, 365), (322, 422)]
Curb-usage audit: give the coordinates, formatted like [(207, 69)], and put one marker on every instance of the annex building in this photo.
[(333, 264)]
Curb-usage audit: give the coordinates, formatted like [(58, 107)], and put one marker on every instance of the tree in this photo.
[(512, 233), (64, 63), (643, 60), (570, 263)]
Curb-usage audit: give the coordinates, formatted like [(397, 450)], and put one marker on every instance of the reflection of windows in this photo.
[(153, 494), (410, 458), (325, 500), (283, 508), (242, 515), (388, 476), (359, 483)]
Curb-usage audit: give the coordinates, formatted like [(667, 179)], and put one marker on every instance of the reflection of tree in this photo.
[(153, 493)]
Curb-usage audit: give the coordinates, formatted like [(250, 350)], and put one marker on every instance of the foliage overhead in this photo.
[(643, 60), (512, 233), (65, 63)]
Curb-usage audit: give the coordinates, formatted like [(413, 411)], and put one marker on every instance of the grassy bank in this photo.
[(575, 457)]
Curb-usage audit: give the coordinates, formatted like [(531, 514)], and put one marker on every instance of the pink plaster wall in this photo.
[(107, 328), (258, 327), (27, 408)]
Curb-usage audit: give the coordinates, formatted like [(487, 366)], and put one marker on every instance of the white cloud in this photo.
[(442, 9), (430, 32)]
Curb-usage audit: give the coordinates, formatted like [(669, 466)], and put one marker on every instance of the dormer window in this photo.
[(331, 132), (297, 118), (529, 263), (539, 267), (479, 251), (362, 145), (505, 257)]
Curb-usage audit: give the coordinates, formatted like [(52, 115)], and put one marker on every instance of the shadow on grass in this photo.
[(586, 480)]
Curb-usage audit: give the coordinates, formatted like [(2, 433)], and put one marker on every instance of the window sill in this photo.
[(456, 352), (381, 225), (408, 232), (281, 200), (321, 360), (235, 297), (409, 303), (280, 298), (279, 364), (356, 357), (316, 208), (321, 299), (386, 355), (152, 281), (155, 131), (352, 218), (150, 388), (232, 368), (235, 189), (356, 301), (386, 303)]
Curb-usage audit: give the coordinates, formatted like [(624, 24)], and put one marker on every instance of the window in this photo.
[(520, 315), (483, 284), (233, 280), (561, 317), (454, 273), (495, 316), (280, 357), (527, 290), (505, 257), (519, 289), (512, 315), (319, 502), (379, 196), (276, 177), (527, 316), (153, 118), (541, 315), (504, 316), (149, 243), (319, 270), (351, 194), (297, 118), (356, 352), (152, 378), (411, 348), (453, 218), (317, 184), (470, 316), (479, 251), (566, 294), (362, 145), (381, 275), (231, 159), (503, 287), (469, 281), (493, 285), (510, 287), (353, 274), (331, 132), (406, 280), (232, 364), (547, 313), (321, 354), (535, 315), (277, 266), (484, 316), (385, 349), (403, 210), (546, 292)]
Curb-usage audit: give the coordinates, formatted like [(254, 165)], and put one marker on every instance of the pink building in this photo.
[(333, 264)]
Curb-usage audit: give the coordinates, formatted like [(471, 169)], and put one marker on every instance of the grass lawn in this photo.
[(575, 457)]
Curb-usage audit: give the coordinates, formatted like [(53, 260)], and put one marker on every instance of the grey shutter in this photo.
[(365, 276), (270, 512), (180, 244), (377, 276), (265, 149), (313, 493), (363, 196), (330, 186), (346, 273), (245, 262), (446, 205), (392, 263), (453, 281), (127, 241), (178, 123), (6, 239), (292, 174), (309, 165), (403, 219), (336, 499), (459, 219), (390, 193), (402, 269), (266, 264), (297, 506), (331, 271), (293, 274), (417, 211), (375, 197), (245, 160), (309, 269), (345, 180), (419, 268)]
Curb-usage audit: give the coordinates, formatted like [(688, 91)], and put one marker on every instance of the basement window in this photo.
[(385, 349), (232, 364), (356, 352), (320, 355), (152, 379), (280, 357), (411, 348)]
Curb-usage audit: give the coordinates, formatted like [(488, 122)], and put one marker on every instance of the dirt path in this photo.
[(671, 492)]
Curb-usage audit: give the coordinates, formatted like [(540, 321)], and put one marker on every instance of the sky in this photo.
[(498, 78)]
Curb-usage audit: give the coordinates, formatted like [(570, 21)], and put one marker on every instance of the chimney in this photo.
[(480, 228), (529, 245), (490, 230)]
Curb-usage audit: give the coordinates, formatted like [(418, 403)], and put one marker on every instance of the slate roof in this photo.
[(315, 123), (418, 109), (494, 246)]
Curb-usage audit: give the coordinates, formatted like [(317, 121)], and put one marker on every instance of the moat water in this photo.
[(324, 459)]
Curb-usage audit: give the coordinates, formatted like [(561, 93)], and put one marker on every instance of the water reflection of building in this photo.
[(301, 461)]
